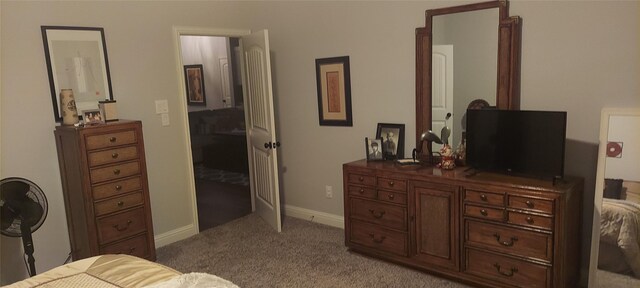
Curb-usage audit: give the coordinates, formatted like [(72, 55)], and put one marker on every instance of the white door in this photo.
[(261, 134), (226, 83), (442, 89)]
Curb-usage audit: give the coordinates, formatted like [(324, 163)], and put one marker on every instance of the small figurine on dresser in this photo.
[(447, 159)]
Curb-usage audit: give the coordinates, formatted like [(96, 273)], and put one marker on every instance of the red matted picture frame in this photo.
[(334, 91)]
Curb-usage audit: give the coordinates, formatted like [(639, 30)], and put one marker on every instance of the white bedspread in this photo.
[(620, 225), (195, 280)]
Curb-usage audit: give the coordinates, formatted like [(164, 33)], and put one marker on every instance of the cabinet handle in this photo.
[(529, 204), (505, 243), (113, 139), (391, 183), (360, 178), (116, 171), (391, 196), (377, 240), (483, 197), (529, 220), (117, 226), (120, 204), (510, 273), (361, 191), (484, 212), (114, 155), (118, 187), (377, 215)]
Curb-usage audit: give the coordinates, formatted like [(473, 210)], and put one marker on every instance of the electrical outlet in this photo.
[(165, 119), (328, 191), (162, 107)]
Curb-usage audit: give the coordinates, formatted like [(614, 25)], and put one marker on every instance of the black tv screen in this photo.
[(528, 143)]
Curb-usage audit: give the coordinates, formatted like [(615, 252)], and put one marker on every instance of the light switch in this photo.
[(165, 119), (162, 106)]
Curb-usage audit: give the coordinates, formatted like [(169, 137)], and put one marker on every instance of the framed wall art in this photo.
[(392, 136), (334, 91), (193, 75), (77, 59)]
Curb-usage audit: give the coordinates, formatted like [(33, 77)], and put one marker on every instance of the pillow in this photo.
[(612, 188)]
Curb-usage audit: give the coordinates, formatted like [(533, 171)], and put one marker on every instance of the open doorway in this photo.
[(217, 128)]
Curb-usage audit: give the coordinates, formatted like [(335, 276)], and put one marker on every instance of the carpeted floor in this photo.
[(202, 172), (250, 253)]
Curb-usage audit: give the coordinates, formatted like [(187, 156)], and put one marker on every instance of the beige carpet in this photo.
[(249, 253)]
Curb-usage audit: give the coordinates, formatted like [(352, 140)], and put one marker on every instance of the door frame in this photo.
[(195, 31)]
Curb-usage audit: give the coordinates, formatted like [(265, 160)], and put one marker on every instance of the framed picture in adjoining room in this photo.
[(373, 148), (77, 59), (194, 78), (392, 136), (334, 91)]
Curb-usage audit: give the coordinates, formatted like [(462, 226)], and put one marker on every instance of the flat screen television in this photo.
[(524, 143)]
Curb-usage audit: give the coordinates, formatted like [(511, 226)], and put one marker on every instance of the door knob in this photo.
[(267, 145)]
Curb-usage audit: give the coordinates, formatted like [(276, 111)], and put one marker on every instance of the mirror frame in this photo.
[(508, 76), (605, 116)]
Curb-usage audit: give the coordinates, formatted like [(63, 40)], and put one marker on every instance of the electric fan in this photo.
[(23, 209)]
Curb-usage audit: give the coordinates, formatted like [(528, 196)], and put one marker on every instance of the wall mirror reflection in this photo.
[(615, 251)]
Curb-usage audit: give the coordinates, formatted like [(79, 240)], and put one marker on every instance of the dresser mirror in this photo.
[(464, 53), (615, 258)]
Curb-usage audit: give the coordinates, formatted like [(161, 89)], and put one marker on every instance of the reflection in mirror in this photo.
[(464, 66), (616, 236)]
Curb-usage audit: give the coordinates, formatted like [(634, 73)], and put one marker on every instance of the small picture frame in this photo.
[(92, 116), (392, 136), (374, 149)]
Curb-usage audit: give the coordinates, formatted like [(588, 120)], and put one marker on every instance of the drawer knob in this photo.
[(391, 196), (484, 212), (509, 273), (132, 249), (120, 204), (529, 204), (391, 183), (378, 215), (377, 240), (116, 171), (505, 243), (361, 191), (114, 155), (529, 220), (113, 139), (118, 187), (483, 197), (117, 226), (360, 178)]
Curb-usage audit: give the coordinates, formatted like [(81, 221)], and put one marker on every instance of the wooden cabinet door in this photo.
[(435, 224)]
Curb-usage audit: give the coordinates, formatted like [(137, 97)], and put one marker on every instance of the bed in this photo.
[(620, 228), (114, 271)]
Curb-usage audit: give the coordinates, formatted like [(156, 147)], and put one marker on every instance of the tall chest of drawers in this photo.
[(104, 181), (490, 230)]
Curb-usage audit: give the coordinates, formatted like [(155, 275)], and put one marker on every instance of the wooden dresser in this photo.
[(104, 182), (489, 229)]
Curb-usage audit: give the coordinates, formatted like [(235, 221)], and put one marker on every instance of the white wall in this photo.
[(206, 50), (577, 56)]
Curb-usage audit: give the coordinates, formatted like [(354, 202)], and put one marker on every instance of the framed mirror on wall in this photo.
[(615, 243), (483, 41)]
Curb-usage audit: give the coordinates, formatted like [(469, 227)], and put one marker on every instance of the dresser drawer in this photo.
[(137, 246), (379, 238), (362, 191), (392, 184), (383, 214), (361, 179), (117, 204), (482, 212), (533, 204), (121, 225), (116, 188), (114, 172), (110, 139), (509, 240), (535, 221), (484, 197), (392, 197), (113, 156), (507, 270)]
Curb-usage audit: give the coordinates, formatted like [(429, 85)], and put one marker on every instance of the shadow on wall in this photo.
[(581, 159)]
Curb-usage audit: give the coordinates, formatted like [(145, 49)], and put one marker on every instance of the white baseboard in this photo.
[(175, 235), (314, 216)]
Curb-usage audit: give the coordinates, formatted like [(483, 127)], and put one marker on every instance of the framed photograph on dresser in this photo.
[(374, 150), (392, 136)]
